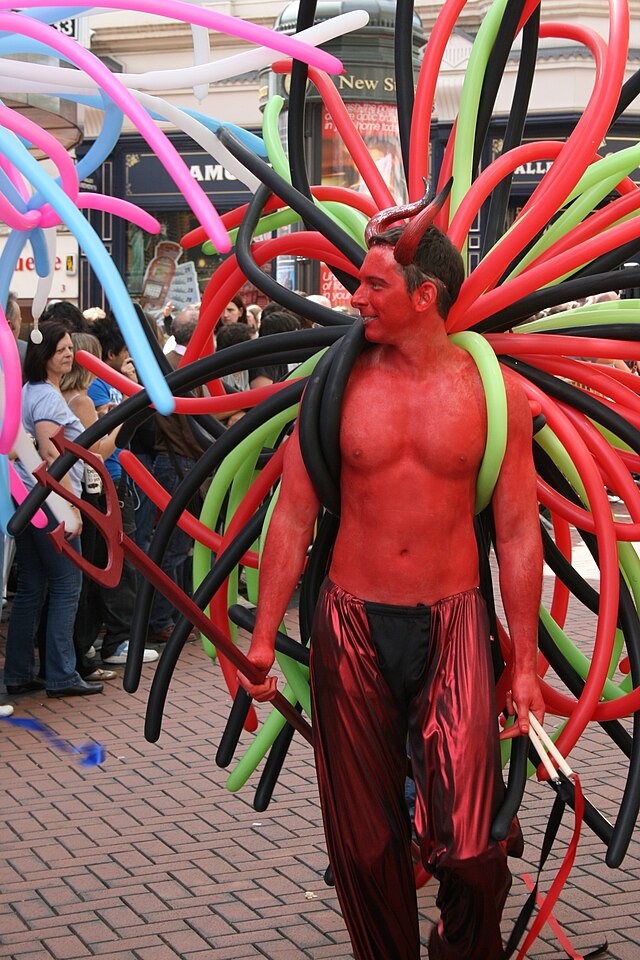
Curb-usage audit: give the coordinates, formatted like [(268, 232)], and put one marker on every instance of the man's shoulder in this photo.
[(101, 393), (96, 386)]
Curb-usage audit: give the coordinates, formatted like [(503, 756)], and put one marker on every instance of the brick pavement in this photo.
[(149, 857)]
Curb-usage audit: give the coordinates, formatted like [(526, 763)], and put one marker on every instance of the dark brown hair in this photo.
[(39, 354), (436, 257)]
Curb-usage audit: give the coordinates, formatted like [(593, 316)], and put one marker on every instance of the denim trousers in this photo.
[(163, 613), (145, 508), (43, 572)]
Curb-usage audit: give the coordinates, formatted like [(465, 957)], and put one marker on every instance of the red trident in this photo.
[(119, 545)]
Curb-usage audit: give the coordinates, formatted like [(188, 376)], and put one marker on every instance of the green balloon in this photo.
[(496, 397)]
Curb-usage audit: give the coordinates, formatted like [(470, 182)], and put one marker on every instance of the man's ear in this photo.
[(424, 296)]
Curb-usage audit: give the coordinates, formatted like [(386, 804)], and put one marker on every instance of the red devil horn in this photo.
[(382, 220), (405, 249)]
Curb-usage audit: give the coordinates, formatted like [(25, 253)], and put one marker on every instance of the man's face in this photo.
[(14, 319), (116, 360), (382, 297), (231, 313)]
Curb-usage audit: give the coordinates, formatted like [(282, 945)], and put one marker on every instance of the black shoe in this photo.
[(77, 690), (30, 687)]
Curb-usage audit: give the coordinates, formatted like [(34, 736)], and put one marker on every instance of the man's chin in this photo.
[(370, 331)]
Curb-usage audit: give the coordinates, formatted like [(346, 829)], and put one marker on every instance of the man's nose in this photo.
[(357, 297)]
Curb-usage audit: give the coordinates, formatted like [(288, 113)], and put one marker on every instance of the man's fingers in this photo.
[(510, 732), (261, 692)]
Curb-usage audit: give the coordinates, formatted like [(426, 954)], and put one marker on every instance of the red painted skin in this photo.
[(412, 439), (413, 435)]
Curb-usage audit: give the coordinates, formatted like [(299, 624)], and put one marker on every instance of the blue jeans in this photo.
[(42, 571), (145, 508), (163, 613)]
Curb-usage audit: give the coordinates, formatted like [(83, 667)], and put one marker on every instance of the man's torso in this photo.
[(411, 451)]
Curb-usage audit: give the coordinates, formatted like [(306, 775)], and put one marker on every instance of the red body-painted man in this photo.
[(400, 645)]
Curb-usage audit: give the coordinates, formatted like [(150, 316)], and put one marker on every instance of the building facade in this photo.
[(134, 43)]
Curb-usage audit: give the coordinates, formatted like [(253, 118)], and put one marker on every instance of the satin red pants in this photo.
[(380, 674)]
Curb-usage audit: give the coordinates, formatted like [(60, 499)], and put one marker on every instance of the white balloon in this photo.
[(201, 54), (201, 134), (61, 78), (30, 459), (44, 283)]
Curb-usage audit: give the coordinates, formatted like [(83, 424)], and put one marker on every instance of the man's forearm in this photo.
[(281, 565), (521, 589)]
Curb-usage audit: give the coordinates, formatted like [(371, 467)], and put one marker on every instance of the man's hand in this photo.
[(524, 696), (262, 658), (129, 370)]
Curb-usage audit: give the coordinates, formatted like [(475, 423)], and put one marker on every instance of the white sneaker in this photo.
[(6, 710), (122, 652), (91, 652)]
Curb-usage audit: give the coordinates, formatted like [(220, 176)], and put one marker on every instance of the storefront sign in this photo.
[(146, 178), (359, 83), (377, 123), (530, 174), (65, 274)]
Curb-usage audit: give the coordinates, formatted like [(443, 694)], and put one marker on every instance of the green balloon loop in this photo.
[(496, 398), (470, 102)]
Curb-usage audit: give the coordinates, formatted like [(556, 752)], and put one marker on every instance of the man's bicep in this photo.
[(515, 498), (297, 491)]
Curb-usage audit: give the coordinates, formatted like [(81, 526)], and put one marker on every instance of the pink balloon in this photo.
[(19, 493), (12, 386), (47, 143), (99, 201), (193, 193), (233, 26), (16, 220)]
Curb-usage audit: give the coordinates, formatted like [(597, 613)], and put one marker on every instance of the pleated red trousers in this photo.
[(382, 675)]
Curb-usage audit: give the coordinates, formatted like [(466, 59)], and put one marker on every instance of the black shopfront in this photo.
[(134, 172), (625, 133)]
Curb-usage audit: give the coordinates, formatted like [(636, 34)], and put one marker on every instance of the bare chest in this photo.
[(437, 425)]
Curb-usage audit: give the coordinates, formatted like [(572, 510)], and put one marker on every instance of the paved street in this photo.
[(149, 857)]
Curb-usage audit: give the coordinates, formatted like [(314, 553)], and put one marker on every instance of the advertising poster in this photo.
[(377, 124)]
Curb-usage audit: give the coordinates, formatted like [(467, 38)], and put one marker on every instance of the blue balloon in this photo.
[(252, 141), (91, 754), (7, 506), (9, 259), (113, 284), (40, 252)]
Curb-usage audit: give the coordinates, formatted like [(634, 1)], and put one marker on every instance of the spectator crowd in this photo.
[(67, 632)]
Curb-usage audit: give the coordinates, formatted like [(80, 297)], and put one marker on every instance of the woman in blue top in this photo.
[(42, 571)]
